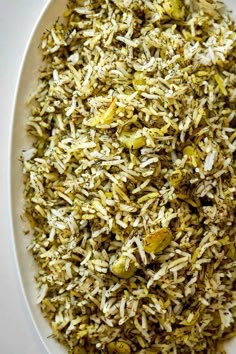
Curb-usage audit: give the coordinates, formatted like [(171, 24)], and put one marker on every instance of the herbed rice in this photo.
[(134, 125)]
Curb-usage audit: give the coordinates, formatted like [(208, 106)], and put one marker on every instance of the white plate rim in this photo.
[(50, 345)]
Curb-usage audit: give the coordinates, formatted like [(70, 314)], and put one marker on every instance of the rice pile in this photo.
[(130, 182)]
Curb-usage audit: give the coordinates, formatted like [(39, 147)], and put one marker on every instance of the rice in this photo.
[(130, 182)]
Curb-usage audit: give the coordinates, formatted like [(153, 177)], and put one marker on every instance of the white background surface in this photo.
[(17, 334)]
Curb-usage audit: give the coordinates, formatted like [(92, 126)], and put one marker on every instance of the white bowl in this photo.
[(26, 85)]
